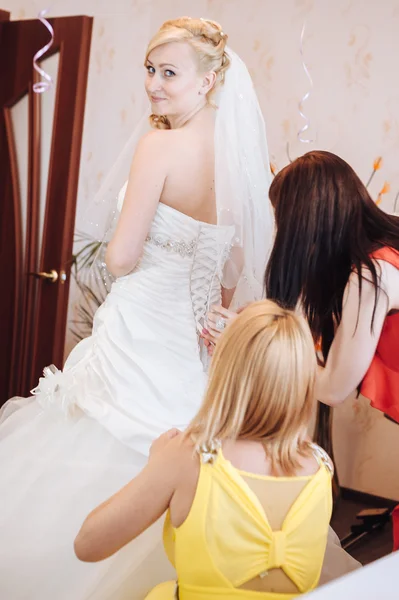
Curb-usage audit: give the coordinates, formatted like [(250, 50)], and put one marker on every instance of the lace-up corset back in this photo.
[(190, 252)]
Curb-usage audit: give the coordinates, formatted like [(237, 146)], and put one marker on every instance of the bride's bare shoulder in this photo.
[(160, 141), (154, 138), (152, 149)]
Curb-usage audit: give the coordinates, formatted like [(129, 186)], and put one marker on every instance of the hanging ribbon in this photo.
[(47, 81), (306, 96)]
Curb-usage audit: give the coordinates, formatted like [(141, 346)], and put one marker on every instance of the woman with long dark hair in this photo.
[(336, 255)]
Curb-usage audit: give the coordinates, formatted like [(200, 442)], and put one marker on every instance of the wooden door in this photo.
[(40, 142)]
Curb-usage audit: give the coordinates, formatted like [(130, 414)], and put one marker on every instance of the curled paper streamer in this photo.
[(47, 82), (306, 96)]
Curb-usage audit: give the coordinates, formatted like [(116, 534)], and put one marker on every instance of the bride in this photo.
[(194, 229)]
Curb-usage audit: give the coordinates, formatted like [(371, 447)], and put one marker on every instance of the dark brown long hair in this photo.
[(327, 227)]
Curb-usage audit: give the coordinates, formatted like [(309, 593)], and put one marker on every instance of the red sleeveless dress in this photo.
[(381, 382)]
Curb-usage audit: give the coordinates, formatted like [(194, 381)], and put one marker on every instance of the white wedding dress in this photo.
[(87, 430)]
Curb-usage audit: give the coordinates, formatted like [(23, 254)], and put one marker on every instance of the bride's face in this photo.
[(174, 83)]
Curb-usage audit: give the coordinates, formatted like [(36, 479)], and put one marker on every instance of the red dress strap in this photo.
[(390, 255)]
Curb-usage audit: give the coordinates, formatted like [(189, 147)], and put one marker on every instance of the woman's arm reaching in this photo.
[(135, 507), (355, 341)]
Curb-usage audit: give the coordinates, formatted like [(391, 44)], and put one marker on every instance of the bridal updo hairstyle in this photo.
[(208, 41)]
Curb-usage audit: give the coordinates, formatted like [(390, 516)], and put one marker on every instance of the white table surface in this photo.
[(377, 581)]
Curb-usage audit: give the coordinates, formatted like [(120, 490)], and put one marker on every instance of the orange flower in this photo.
[(377, 163), (273, 168), (384, 190)]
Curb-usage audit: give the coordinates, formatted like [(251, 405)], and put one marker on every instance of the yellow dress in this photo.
[(227, 540)]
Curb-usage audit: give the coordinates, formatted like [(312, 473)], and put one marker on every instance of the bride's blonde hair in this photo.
[(261, 386), (207, 39)]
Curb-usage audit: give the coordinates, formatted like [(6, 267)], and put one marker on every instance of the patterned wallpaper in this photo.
[(351, 48)]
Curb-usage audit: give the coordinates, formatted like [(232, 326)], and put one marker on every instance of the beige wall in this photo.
[(352, 49)]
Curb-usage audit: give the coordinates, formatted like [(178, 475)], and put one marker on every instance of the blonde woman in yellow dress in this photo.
[(248, 497)]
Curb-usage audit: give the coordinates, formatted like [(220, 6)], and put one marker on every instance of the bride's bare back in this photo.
[(190, 181)]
